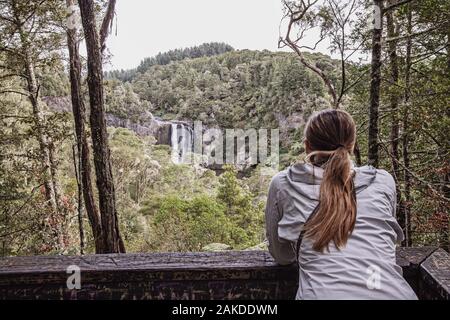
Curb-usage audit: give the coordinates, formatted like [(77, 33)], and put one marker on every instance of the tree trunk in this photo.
[(406, 161), (48, 177), (105, 183), (39, 122), (394, 102), (444, 240), (357, 153), (448, 50), (375, 88), (79, 114), (62, 218), (77, 167), (446, 176)]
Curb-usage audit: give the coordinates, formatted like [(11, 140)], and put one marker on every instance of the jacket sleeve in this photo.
[(399, 231), (282, 251), (393, 203)]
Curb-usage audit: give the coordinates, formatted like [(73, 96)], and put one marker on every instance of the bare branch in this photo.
[(412, 35), (395, 5), (26, 94), (107, 24), (413, 175), (296, 15)]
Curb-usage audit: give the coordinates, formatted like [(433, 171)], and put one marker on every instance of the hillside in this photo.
[(163, 58), (236, 89)]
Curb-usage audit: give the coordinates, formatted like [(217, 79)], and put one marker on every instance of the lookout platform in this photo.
[(205, 275)]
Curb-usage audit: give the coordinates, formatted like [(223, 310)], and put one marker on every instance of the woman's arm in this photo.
[(389, 182), (282, 251)]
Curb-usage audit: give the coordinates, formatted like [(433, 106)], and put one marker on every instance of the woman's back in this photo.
[(346, 214), (365, 268)]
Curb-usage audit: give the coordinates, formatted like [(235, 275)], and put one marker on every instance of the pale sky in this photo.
[(146, 27)]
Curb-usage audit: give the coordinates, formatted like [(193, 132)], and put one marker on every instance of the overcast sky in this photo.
[(146, 27)]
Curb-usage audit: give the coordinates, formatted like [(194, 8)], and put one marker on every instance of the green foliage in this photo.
[(235, 89), (188, 224), (422, 115), (185, 221), (241, 210), (203, 50), (123, 102)]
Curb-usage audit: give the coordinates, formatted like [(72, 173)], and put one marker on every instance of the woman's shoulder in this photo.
[(381, 177), (298, 172), (276, 179), (298, 181)]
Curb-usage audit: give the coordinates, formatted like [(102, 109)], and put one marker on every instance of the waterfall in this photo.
[(181, 141)]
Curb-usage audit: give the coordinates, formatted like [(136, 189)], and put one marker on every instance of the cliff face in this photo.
[(149, 126)]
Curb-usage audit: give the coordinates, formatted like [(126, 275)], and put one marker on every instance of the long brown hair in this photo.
[(330, 135)]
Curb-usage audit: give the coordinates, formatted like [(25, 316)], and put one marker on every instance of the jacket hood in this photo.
[(306, 178)]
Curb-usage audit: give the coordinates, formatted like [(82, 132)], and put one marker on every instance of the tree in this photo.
[(394, 94), (79, 115), (412, 85), (239, 207), (405, 212), (375, 83), (334, 21), (301, 14), (29, 38), (105, 184)]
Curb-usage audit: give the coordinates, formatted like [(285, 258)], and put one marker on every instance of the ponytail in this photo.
[(335, 217)]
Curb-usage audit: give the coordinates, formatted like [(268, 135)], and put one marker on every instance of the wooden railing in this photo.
[(219, 275)]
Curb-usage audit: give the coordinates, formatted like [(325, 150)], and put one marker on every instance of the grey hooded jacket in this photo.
[(365, 268)]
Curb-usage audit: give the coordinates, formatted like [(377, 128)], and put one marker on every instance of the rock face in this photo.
[(148, 126), (58, 104), (163, 134), (287, 123), (167, 130), (293, 121)]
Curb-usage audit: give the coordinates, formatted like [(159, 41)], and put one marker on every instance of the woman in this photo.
[(337, 220)]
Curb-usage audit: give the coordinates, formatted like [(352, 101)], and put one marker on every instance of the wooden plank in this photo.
[(413, 256), (435, 273), (140, 261), (201, 275), (239, 265), (406, 257)]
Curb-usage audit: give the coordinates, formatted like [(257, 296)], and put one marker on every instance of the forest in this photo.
[(72, 184)]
